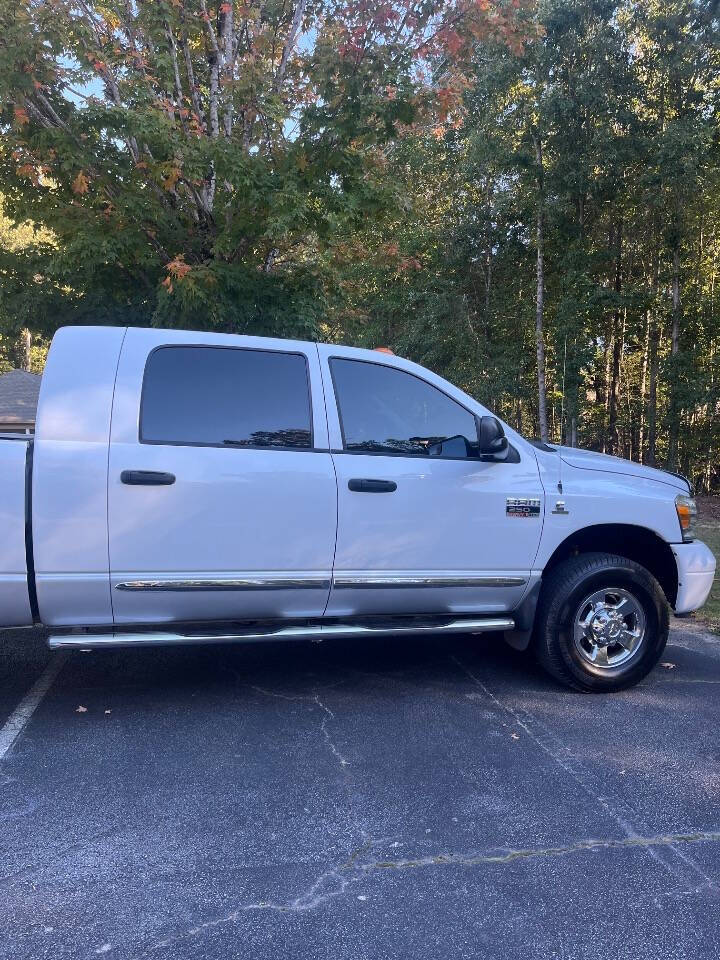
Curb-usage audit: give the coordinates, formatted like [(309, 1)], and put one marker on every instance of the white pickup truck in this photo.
[(196, 487)]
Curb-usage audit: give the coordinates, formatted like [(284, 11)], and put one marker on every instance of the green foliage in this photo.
[(624, 99), (346, 171), (154, 142), (194, 160)]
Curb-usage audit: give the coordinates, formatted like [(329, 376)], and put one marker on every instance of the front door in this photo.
[(221, 488), (419, 533)]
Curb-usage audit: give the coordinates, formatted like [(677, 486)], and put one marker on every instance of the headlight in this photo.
[(687, 515)]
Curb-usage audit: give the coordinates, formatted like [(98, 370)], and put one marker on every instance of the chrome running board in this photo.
[(163, 636)]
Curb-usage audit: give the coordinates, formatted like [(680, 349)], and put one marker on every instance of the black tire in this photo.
[(562, 596)]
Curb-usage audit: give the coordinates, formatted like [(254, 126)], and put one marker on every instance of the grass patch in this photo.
[(709, 532)]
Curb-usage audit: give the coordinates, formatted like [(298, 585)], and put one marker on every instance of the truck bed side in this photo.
[(69, 477), (15, 609)]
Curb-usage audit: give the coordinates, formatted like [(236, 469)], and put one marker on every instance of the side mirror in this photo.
[(459, 448), (492, 442)]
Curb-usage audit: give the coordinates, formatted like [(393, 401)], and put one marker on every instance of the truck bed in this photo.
[(15, 605)]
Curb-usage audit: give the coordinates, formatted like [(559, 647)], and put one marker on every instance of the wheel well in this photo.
[(636, 543)]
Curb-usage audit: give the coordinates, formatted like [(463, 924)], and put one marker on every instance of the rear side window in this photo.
[(385, 410), (222, 396)]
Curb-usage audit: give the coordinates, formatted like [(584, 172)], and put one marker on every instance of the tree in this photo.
[(193, 159), (524, 198), (22, 290), (678, 57)]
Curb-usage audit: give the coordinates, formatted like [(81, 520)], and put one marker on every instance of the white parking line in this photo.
[(18, 719)]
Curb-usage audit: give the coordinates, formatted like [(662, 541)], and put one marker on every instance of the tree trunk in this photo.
[(655, 328), (652, 396), (539, 302), (617, 347), (653, 349), (674, 426), (643, 388), (609, 350), (26, 345), (214, 64), (571, 397), (628, 437), (488, 288), (488, 258)]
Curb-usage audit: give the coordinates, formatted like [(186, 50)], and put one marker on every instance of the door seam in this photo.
[(337, 490), (107, 476)]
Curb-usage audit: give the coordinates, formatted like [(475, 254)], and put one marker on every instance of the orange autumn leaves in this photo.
[(400, 262), (448, 30), (177, 269), (80, 184)]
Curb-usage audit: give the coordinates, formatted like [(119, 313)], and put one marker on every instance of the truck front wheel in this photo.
[(602, 623)]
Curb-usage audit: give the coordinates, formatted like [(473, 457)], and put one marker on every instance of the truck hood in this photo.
[(589, 460)]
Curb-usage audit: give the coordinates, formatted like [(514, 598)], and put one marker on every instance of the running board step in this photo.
[(317, 632)]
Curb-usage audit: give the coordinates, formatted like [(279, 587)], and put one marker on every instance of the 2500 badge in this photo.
[(522, 507)]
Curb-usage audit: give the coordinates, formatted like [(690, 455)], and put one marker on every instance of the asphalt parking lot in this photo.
[(397, 798)]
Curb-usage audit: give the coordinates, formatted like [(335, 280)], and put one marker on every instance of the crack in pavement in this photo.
[(323, 726), (678, 680), (451, 859), (334, 881), (331, 883), (613, 805), (315, 895)]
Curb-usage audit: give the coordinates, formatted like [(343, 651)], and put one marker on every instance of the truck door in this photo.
[(420, 533), (221, 488)]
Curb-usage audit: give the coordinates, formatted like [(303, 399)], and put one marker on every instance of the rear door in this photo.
[(221, 488), (419, 533)]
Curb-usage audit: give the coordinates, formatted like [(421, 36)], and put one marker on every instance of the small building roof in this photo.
[(19, 396)]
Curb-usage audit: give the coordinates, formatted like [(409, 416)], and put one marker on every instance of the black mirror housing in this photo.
[(492, 442)]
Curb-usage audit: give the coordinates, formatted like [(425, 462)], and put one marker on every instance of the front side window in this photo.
[(386, 410), (226, 396)]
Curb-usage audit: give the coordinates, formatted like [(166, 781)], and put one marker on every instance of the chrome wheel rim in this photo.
[(609, 628)]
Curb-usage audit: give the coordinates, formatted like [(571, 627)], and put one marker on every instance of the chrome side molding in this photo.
[(379, 582), (163, 636), (341, 582), (244, 583)]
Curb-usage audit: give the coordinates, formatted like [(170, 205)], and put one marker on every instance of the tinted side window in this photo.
[(221, 395), (383, 409)]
